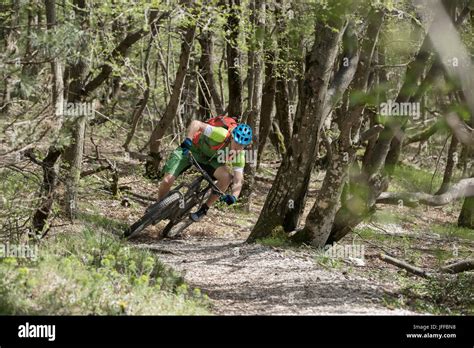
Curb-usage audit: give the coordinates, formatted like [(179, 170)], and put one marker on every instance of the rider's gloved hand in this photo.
[(186, 145), (229, 199)]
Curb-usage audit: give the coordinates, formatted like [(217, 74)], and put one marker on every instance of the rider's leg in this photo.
[(224, 178), (176, 164), (165, 185)]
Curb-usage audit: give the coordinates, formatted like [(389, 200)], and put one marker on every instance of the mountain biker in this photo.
[(219, 151)]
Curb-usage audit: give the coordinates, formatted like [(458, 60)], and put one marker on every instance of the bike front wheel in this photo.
[(158, 212)]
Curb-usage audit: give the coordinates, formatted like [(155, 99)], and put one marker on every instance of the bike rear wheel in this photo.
[(158, 212)]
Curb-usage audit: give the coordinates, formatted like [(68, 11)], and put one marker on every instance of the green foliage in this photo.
[(451, 231), (91, 273), (277, 238), (327, 261), (16, 203), (446, 294), (411, 179), (97, 221), (391, 217)]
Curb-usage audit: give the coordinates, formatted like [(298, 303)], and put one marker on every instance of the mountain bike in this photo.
[(176, 205)]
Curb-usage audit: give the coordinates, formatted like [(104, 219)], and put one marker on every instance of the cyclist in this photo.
[(219, 151)]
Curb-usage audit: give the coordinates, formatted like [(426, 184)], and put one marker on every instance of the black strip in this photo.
[(241, 330)]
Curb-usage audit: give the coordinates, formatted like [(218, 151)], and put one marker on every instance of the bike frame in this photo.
[(194, 195), (175, 206)]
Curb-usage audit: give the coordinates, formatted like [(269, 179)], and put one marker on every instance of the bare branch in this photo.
[(464, 188), (402, 264), (461, 130), (458, 267), (424, 134)]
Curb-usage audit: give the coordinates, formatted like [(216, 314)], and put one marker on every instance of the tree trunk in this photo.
[(349, 61), (233, 60), (466, 218), (205, 108), (77, 126), (396, 144), (450, 164), (268, 99), (12, 50), (28, 69), (251, 61), (73, 156), (50, 179), (413, 92), (138, 110), (142, 103), (277, 139), (286, 198), (153, 166), (254, 114), (49, 164), (190, 110), (321, 217), (372, 181), (381, 79), (208, 89), (282, 108)]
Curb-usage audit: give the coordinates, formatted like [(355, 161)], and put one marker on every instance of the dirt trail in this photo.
[(243, 279), (252, 279)]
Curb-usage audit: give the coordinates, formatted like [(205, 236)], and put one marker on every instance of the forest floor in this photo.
[(273, 277), (270, 277), (254, 279)]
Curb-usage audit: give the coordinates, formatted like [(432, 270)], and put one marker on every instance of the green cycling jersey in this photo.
[(211, 138)]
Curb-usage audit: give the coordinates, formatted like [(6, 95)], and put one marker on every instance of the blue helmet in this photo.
[(242, 134)]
